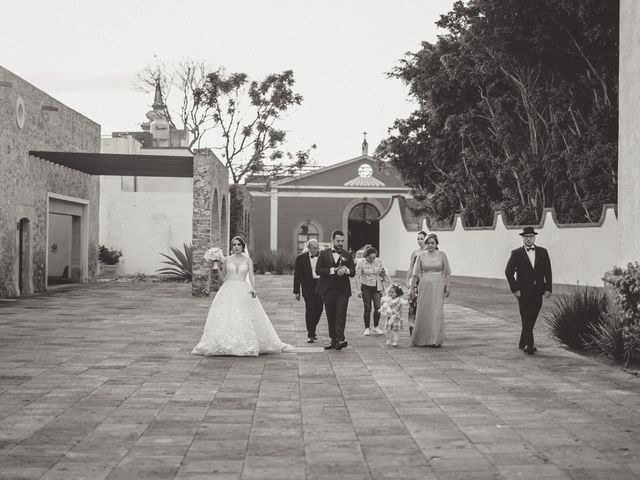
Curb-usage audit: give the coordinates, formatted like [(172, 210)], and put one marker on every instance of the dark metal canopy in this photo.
[(126, 165)]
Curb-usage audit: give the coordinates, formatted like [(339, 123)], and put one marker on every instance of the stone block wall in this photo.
[(209, 176), (32, 120)]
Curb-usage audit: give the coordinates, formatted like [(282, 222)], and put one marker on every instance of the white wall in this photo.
[(629, 133), (579, 254), (165, 184), (143, 225), (147, 222)]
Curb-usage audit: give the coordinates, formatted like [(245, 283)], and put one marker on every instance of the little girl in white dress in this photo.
[(391, 312)]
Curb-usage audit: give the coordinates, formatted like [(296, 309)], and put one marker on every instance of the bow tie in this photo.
[(530, 249), (313, 256), (333, 250)]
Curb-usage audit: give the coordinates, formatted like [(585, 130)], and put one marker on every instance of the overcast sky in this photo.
[(86, 53)]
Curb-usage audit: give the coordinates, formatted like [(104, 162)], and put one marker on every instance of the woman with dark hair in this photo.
[(237, 324), (413, 288), (431, 271), (370, 278)]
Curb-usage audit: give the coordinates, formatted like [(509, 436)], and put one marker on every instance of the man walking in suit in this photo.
[(529, 274), (335, 266), (305, 278)]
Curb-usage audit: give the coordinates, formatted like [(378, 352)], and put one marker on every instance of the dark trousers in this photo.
[(335, 306), (371, 295), (313, 306), (529, 305)]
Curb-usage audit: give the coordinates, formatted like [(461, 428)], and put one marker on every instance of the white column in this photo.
[(273, 238), (629, 132)]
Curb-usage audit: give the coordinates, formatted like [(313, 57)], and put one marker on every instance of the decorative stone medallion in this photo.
[(365, 170)]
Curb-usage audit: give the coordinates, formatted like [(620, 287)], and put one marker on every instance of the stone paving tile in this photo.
[(97, 382)]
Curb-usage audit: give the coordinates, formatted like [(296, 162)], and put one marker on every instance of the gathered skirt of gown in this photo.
[(237, 324), (429, 324)]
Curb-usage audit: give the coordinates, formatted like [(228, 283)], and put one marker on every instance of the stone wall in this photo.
[(32, 120), (209, 176)]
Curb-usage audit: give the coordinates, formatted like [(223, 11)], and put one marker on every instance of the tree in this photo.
[(188, 78), (241, 114), (517, 111)]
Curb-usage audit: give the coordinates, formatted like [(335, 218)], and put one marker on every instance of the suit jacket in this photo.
[(523, 276), (303, 276), (334, 282)]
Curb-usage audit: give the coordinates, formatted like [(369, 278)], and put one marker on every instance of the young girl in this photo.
[(391, 311)]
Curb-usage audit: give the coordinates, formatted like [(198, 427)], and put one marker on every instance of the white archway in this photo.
[(349, 207)]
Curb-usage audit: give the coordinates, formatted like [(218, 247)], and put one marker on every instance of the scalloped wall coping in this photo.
[(580, 253)]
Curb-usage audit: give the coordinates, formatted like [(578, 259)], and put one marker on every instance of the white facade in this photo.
[(580, 254), (629, 134), (144, 216)]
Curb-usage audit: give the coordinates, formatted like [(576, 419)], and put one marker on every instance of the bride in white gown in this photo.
[(237, 324)]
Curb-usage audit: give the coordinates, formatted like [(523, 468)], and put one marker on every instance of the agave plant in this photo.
[(608, 338), (180, 267), (574, 317)]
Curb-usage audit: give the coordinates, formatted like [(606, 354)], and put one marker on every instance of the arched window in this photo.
[(364, 212), (307, 231)]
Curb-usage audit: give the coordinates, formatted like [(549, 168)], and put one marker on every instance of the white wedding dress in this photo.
[(237, 324)]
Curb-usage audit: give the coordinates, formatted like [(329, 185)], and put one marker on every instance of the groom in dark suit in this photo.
[(335, 266), (305, 277), (529, 274)]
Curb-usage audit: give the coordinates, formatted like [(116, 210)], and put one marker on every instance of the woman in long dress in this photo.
[(432, 272), (413, 288), (237, 324)]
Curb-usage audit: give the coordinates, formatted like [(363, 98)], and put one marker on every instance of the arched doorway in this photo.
[(24, 257), (363, 226), (59, 259)]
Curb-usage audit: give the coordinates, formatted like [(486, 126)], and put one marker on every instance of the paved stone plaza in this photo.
[(97, 382)]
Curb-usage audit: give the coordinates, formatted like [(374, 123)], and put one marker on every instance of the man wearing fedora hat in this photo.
[(529, 274)]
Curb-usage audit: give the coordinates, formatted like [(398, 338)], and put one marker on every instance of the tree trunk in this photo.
[(238, 226)]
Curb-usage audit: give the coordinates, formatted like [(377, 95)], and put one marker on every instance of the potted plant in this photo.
[(109, 257)]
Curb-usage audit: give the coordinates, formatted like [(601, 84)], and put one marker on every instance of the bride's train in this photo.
[(237, 323)]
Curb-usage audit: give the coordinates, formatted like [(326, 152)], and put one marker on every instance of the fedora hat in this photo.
[(528, 231)]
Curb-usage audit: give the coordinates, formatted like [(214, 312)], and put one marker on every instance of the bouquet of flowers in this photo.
[(214, 254)]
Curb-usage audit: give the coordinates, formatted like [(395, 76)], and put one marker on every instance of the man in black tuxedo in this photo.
[(335, 266), (305, 278), (529, 274)]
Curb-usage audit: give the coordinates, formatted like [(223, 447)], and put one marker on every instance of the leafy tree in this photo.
[(517, 111), (241, 114)]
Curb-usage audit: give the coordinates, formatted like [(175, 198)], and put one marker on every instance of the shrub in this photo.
[(625, 283), (573, 318), (607, 337), (180, 267), (262, 262), (620, 336), (108, 256), (283, 261), (275, 261)]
